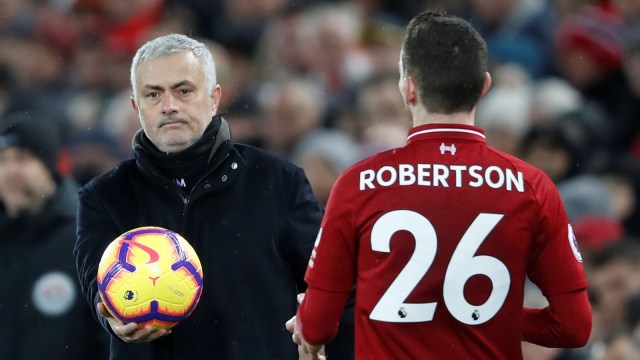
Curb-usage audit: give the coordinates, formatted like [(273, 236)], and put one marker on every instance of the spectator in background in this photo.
[(337, 61), (38, 71), (377, 119), (597, 207), (233, 73), (552, 97), (92, 153), (321, 42), (284, 46), (324, 155), (381, 39), (517, 31), (567, 145), (292, 109), (622, 173), (41, 307), (613, 274), (238, 24), (10, 99), (588, 53), (626, 120), (504, 112), (244, 119), (120, 122), (628, 9)]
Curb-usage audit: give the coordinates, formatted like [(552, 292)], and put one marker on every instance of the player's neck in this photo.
[(421, 116)]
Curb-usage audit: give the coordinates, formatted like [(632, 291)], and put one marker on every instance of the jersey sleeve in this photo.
[(319, 314), (555, 260), (332, 265), (565, 323)]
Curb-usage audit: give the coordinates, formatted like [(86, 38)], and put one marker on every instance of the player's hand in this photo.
[(131, 332), (306, 351)]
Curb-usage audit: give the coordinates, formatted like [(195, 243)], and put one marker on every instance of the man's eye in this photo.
[(151, 95), (185, 91)]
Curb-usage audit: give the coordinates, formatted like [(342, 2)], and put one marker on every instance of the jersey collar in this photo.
[(446, 131)]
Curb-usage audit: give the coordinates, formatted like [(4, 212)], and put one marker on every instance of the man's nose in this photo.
[(169, 104)]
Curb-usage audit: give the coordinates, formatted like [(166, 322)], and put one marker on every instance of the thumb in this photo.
[(290, 325), (102, 309)]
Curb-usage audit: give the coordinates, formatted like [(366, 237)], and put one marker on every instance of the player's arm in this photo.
[(565, 323), (319, 315)]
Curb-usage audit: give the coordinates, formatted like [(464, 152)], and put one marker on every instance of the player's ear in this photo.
[(410, 93), (487, 83)]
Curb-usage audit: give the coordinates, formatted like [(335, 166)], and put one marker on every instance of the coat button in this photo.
[(207, 186), (224, 177), (234, 165)]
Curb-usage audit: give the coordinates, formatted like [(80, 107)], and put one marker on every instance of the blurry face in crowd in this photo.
[(580, 68), (25, 182), (173, 104), (612, 285)]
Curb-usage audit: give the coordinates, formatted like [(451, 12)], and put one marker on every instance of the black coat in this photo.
[(42, 311), (252, 220)]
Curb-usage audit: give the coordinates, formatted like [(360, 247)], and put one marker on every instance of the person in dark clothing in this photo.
[(251, 217), (43, 313)]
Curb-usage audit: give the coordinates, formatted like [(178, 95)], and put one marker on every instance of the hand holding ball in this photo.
[(150, 276)]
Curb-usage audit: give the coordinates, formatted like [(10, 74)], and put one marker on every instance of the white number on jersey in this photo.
[(463, 265)]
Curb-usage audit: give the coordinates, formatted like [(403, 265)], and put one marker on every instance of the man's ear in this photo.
[(410, 91), (487, 83), (216, 95), (134, 104)]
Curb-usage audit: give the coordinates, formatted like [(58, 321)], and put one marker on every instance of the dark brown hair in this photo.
[(447, 58)]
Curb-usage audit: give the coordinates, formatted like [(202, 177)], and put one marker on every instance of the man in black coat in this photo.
[(250, 216), (43, 313)]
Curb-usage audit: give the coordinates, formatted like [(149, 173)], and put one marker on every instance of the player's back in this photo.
[(446, 231)]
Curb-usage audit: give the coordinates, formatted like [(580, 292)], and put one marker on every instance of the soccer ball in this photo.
[(150, 276)]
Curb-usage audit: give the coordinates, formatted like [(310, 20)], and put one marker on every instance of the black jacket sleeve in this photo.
[(95, 230)]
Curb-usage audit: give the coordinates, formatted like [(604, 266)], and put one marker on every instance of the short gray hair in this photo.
[(171, 44)]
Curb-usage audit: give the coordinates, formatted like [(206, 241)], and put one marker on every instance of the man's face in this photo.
[(613, 284), (25, 182), (173, 103)]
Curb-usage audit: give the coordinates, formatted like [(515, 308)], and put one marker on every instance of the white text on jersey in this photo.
[(442, 175)]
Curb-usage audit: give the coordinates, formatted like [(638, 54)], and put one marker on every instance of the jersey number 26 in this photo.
[(463, 265)]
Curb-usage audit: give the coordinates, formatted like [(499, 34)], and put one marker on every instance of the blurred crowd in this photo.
[(316, 82)]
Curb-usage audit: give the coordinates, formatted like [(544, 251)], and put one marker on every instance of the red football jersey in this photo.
[(439, 237)]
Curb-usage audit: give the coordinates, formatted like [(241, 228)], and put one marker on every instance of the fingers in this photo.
[(296, 339), (290, 325), (312, 350), (145, 334), (131, 332), (102, 309)]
